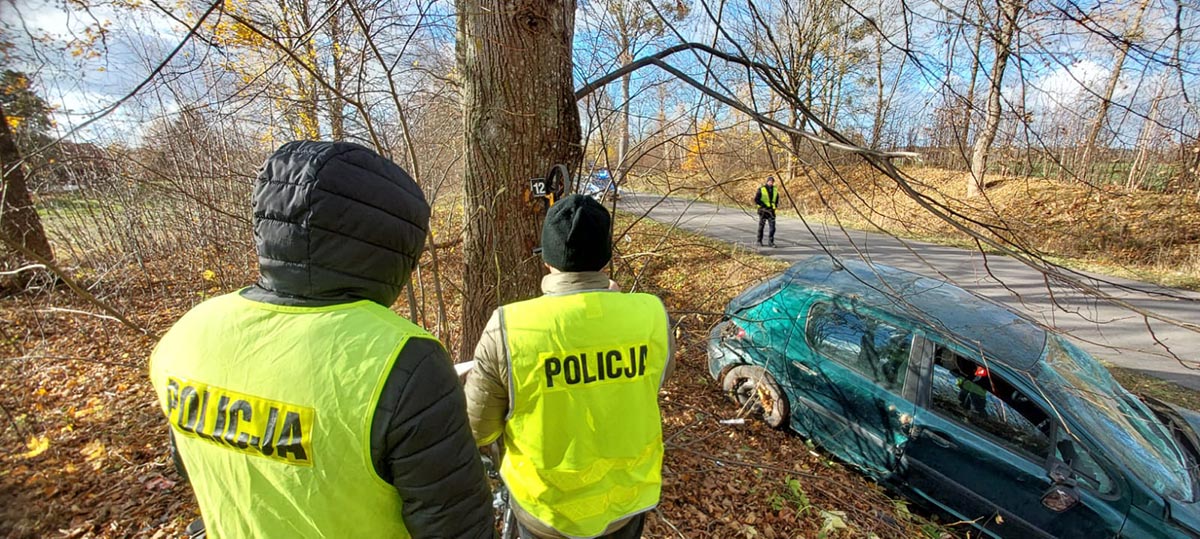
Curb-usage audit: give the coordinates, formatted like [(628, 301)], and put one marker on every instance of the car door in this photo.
[(848, 371), (985, 456)]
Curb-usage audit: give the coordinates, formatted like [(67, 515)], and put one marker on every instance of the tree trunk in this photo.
[(337, 121), (877, 125), (623, 144), (1194, 169), (519, 119), (1137, 172), (793, 156), (964, 136), (19, 220), (1010, 10), (1089, 146)]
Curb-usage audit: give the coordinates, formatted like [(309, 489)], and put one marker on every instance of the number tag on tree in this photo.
[(539, 187)]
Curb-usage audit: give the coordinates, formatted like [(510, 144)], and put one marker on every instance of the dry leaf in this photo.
[(36, 445)]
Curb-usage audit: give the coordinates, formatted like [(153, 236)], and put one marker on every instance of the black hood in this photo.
[(335, 222)]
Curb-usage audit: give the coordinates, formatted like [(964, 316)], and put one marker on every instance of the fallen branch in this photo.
[(74, 286), (17, 271)]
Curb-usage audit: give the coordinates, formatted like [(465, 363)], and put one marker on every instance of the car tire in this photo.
[(744, 383)]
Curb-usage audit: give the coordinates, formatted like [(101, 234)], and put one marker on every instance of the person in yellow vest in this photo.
[(568, 382), (767, 200), (302, 406)]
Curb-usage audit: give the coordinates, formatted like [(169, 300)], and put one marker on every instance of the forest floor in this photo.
[(83, 447)]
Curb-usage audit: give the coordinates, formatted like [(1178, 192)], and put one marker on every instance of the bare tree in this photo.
[(20, 224), (1123, 45), (632, 25), (1010, 11)]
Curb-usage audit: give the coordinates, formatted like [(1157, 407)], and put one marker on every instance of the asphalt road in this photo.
[(1110, 332)]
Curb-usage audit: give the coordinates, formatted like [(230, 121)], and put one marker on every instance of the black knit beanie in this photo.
[(577, 235)]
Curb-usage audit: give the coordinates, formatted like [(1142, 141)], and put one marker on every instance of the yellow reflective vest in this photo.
[(770, 200), (583, 438), (271, 409)]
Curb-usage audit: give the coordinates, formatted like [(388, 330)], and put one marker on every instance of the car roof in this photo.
[(973, 321)]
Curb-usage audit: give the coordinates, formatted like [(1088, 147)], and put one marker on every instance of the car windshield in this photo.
[(1118, 420)]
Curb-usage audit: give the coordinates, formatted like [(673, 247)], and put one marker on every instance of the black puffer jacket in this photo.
[(333, 223)]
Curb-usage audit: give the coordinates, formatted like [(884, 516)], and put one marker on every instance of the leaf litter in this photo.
[(85, 447)]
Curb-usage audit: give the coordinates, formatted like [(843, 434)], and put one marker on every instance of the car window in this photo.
[(966, 391), (1086, 471), (1118, 420), (871, 347)]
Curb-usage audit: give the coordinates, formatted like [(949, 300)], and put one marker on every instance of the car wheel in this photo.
[(757, 392)]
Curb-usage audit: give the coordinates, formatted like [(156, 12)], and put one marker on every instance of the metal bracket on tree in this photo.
[(550, 188)]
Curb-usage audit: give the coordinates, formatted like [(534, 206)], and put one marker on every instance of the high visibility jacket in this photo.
[(769, 198), (271, 409), (583, 438)]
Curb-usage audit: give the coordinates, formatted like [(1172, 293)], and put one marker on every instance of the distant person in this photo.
[(972, 387), (303, 406), (568, 383), (767, 199)]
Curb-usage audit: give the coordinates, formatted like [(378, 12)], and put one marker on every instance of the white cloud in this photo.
[(1072, 79), (1067, 86)]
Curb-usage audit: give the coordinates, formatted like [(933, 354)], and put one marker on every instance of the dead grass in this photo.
[(1140, 235), (1142, 384)]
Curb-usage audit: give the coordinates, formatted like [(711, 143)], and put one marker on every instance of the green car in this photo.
[(958, 403)]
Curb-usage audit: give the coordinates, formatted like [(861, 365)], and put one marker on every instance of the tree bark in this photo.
[(337, 44), (880, 107), (19, 220), (625, 57), (964, 136), (1137, 172), (520, 118), (1089, 146), (1010, 10)]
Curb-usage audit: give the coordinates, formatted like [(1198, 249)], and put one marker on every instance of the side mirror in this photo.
[(1062, 494), (1060, 498), (1060, 472)]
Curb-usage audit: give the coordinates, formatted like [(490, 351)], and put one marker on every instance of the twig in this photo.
[(663, 518), (70, 358), (21, 269), (74, 311), (16, 426), (62, 275)]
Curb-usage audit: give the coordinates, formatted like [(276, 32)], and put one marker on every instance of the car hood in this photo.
[(1184, 423), (1185, 515), (1191, 420), (755, 295)]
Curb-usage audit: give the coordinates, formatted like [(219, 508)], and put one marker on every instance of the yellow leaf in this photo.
[(209, 275), (94, 452), (94, 406), (36, 446)]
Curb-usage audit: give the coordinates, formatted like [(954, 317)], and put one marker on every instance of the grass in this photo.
[(1144, 384)]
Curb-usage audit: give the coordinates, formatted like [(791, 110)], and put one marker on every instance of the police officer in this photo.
[(303, 406), (767, 200), (570, 381)]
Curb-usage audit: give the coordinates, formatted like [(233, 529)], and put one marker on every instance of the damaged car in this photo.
[(958, 403)]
